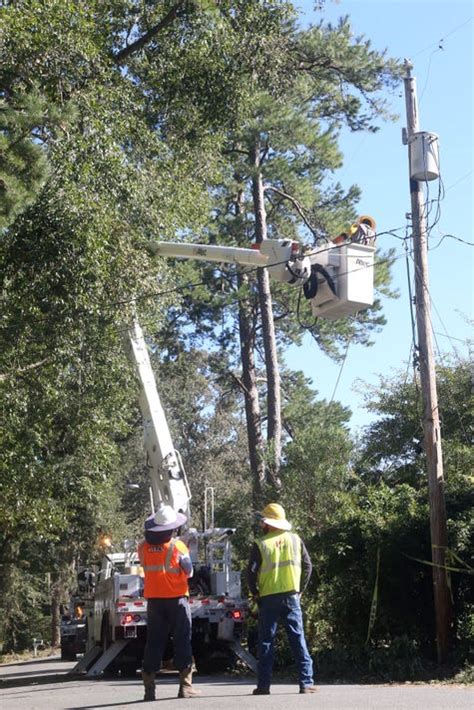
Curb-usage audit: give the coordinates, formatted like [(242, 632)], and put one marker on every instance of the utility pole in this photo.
[(431, 425)]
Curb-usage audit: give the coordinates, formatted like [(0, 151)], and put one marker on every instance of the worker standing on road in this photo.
[(167, 566), (274, 577)]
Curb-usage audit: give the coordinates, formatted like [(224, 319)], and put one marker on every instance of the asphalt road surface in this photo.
[(46, 684)]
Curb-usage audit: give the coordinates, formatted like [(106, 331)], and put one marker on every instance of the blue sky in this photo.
[(436, 35)]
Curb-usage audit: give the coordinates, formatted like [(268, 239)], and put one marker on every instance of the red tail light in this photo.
[(236, 614)]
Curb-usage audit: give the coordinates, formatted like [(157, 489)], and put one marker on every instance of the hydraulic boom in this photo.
[(337, 277)]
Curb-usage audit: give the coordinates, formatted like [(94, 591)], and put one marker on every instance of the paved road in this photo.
[(44, 684)]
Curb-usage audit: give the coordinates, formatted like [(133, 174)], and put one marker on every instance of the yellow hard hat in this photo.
[(274, 515)]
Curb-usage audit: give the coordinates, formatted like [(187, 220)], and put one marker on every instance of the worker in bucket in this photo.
[(278, 572), (167, 566)]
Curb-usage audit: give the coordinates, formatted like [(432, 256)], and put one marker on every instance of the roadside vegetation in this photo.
[(123, 123)]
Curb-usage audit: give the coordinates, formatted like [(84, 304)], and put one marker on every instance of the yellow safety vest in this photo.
[(280, 570)]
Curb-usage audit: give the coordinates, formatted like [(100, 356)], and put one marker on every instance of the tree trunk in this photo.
[(252, 404), (63, 579), (56, 613), (12, 623), (274, 427), (249, 382)]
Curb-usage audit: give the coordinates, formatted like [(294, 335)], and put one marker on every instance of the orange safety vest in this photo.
[(164, 578)]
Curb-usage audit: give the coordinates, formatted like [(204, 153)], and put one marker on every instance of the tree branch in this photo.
[(239, 382), (33, 366), (144, 39), (299, 208)]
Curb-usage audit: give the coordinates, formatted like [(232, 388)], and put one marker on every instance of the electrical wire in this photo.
[(121, 330), (440, 41), (464, 177), (414, 350), (180, 288), (451, 337), (411, 302), (451, 236), (425, 288), (349, 341), (428, 230), (428, 71), (176, 289), (442, 324)]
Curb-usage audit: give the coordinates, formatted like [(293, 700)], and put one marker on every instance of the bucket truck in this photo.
[(337, 278), (116, 618)]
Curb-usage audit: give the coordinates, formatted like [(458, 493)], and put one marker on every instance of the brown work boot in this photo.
[(308, 689), (186, 689), (261, 691), (149, 684)]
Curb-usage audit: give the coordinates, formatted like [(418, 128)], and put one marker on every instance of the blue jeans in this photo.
[(165, 616), (283, 608)]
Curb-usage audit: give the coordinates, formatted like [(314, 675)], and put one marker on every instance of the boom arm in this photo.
[(337, 277), (167, 476)]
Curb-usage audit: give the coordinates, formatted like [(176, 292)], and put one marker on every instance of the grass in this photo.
[(27, 655)]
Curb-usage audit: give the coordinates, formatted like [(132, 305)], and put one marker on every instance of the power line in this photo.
[(451, 236), (435, 51), (121, 330), (451, 337), (464, 177), (441, 357), (184, 287), (349, 340), (441, 40), (411, 302)]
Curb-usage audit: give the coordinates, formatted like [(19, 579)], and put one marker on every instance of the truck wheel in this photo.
[(67, 653), (105, 634)]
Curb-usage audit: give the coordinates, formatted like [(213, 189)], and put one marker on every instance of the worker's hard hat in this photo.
[(164, 519), (274, 515)]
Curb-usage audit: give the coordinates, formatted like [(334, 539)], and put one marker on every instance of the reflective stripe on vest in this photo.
[(280, 570), (167, 579), (167, 566)]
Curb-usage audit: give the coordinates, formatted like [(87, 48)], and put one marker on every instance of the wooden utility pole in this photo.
[(431, 425)]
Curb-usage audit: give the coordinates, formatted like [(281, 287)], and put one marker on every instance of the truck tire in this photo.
[(67, 652), (105, 633)]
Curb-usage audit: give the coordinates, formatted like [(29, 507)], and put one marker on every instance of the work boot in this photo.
[(186, 689), (261, 691), (149, 684), (308, 689)]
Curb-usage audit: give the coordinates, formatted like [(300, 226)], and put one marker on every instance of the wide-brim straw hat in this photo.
[(274, 516), (164, 519)]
